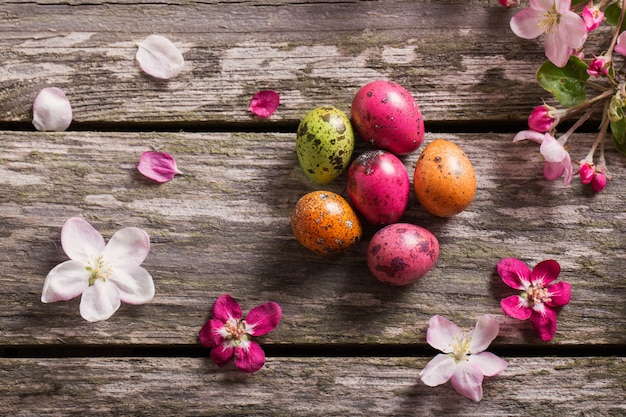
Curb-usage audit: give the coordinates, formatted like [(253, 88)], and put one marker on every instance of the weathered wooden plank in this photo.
[(223, 227), (305, 387), (458, 58)]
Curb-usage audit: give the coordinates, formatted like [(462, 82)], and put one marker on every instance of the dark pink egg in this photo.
[(401, 253), (387, 116), (379, 187)]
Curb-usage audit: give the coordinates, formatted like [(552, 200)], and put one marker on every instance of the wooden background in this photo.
[(347, 345)]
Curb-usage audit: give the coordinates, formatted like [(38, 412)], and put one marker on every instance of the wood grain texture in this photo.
[(223, 227), (588, 386)]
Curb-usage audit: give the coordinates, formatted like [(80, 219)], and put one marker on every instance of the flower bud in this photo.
[(586, 172), (599, 66), (541, 119), (598, 182), (509, 3), (593, 17)]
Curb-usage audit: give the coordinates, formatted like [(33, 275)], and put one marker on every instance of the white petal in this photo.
[(80, 240), (159, 57), (467, 381), (442, 333), (127, 247), (65, 281), (488, 363), (438, 370), (99, 301), (552, 150), (530, 135), (135, 284), (486, 330), (52, 110)]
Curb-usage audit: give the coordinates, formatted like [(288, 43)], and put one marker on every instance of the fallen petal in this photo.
[(158, 166), (52, 110), (264, 103), (159, 57)]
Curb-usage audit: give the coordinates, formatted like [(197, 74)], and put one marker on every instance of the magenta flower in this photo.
[(599, 66), (598, 182), (229, 335), (586, 171), (543, 118), (264, 103), (593, 17), (158, 166), (539, 299), (565, 30), (52, 110), (464, 361), (105, 275), (558, 161)]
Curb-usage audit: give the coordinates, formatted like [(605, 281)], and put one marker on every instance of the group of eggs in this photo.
[(384, 114)]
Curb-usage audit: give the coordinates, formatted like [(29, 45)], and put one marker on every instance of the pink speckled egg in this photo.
[(379, 187), (401, 253), (387, 116)]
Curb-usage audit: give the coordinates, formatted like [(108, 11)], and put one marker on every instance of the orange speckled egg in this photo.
[(444, 179), (325, 223)]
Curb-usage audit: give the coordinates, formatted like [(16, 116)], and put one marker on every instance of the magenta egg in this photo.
[(387, 116), (379, 187), (401, 253)]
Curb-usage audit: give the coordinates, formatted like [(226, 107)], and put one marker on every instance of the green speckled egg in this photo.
[(324, 144)]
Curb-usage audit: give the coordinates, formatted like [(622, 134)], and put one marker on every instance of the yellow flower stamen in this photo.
[(98, 269)]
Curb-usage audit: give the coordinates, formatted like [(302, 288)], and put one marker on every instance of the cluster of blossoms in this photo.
[(568, 74)]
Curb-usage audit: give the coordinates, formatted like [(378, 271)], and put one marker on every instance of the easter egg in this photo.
[(401, 253), (378, 186), (444, 179), (324, 144), (387, 116), (325, 223)]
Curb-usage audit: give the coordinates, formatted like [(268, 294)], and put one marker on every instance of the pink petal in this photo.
[(559, 294), (65, 281), (544, 323), (249, 357), (525, 24), (158, 166), (569, 170), (99, 301), (572, 30), (127, 248), (620, 46), (552, 150), (488, 363), (441, 333), (545, 272), (530, 135), (210, 333), (221, 354), (486, 331), (159, 57), (514, 273), (80, 240), (553, 170), (516, 307), (263, 319), (264, 103), (52, 110), (467, 380), (135, 284), (438, 371), (556, 50), (226, 308)]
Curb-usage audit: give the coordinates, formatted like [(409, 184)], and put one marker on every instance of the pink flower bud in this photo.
[(586, 172), (509, 3), (599, 66), (541, 119), (598, 182), (593, 17)]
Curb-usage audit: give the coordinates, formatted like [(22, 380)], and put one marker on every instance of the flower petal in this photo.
[(249, 357), (99, 301), (488, 363), (441, 333), (263, 319), (264, 103), (553, 170), (544, 323), (80, 241), (514, 273), (556, 49), (225, 308), (516, 307), (134, 284), (620, 46), (222, 354), (65, 281), (572, 30), (530, 135), (52, 110), (486, 331), (127, 248), (159, 57), (525, 24), (210, 334), (438, 371), (467, 380), (545, 272), (552, 150), (158, 166), (559, 294)]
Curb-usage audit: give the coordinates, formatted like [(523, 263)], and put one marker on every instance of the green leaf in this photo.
[(567, 83), (618, 129), (612, 16)]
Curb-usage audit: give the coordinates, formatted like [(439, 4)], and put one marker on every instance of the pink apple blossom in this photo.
[(539, 298), (105, 275), (558, 161), (564, 30), (592, 16), (158, 166), (228, 334), (464, 361), (264, 103)]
